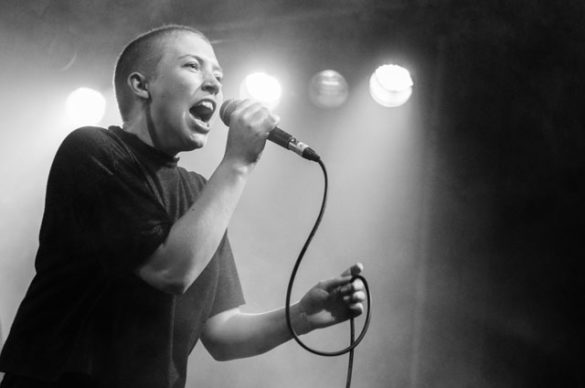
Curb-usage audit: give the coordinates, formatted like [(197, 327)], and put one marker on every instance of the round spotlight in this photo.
[(328, 89), (85, 106), (391, 85), (262, 87)]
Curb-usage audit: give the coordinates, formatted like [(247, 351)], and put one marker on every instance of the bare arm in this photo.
[(194, 238), (234, 334)]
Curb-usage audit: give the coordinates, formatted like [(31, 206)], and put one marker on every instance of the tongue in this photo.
[(201, 112)]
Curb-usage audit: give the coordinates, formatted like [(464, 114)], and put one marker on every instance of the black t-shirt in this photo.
[(111, 201)]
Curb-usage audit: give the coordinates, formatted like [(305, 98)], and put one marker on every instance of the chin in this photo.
[(197, 141)]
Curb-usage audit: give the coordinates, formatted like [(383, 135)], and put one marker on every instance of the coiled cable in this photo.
[(353, 341)]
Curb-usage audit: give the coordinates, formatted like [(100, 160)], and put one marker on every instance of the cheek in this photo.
[(172, 96), (168, 101), (172, 87)]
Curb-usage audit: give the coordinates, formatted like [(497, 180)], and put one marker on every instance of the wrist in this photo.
[(299, 320), (236, 167)]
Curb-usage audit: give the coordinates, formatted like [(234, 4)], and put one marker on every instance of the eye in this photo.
[(219, 77), (193, 65)]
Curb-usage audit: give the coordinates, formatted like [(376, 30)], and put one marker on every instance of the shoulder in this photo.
[(92, 152), (87, 138), (90, 142)]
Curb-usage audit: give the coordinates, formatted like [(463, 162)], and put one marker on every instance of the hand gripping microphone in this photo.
[(277, 135)]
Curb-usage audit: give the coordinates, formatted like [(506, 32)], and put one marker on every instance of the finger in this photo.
[(356, 309), (355, 297), (249, 110), (242, 107), (330, 284), (358, 285), (263, 119), (355, 269), (346, 289)]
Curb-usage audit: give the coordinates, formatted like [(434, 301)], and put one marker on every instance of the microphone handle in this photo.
[(277, 135), (285, 140)]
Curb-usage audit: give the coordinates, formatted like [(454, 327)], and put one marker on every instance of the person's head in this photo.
[(169, 78)]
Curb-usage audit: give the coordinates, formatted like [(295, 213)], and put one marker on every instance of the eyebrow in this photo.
[(201, 59)]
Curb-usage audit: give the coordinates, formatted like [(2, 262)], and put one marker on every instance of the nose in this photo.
[(211, 84)]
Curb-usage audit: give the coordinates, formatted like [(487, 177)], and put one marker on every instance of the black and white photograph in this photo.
[(283, 194)]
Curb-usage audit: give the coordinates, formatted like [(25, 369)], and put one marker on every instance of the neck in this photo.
[(143, 127)]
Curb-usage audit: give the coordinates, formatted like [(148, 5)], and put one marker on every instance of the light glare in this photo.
[(262, 87), (391, 85), (328, 89), (85, 106)]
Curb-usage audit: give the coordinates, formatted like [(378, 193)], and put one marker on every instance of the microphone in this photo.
[(277, 135)]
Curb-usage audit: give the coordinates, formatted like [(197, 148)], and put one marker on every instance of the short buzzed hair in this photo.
[(143, 55)]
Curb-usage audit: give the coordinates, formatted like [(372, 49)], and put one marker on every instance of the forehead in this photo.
[(182, 43)]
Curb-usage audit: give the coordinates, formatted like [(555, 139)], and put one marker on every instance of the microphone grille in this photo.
[(226, 110)]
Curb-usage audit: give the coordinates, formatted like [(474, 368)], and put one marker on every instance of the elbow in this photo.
[(171, 272), (221, 356), (218, 351), (222, 350), (229, 352), (165, 281), (174, 287)]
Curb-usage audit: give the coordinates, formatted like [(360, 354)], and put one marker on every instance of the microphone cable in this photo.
[(353, 342)]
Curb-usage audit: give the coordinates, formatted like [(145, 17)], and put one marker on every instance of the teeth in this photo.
[(206, 104)]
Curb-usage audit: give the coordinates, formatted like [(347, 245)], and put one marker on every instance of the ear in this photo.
[(138, 85)]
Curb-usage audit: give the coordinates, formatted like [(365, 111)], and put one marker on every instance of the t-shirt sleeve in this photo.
[(100, 192), (229, 292)]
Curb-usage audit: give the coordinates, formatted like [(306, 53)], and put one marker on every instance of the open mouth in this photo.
[(203, 110)]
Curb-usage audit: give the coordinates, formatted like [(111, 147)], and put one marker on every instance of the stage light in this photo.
[(85, 106), (328, 89), (391, 85), (262, 87)]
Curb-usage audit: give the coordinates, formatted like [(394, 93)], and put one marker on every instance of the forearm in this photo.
[(194, 238), (244, 335), (233, 334)]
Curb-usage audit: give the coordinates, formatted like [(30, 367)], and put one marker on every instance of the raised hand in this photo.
[(334, 300), (250, 124)]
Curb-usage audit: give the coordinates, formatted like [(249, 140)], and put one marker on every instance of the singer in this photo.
[(134, 264)]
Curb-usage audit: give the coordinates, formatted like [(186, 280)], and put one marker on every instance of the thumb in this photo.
[(355, 269)]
